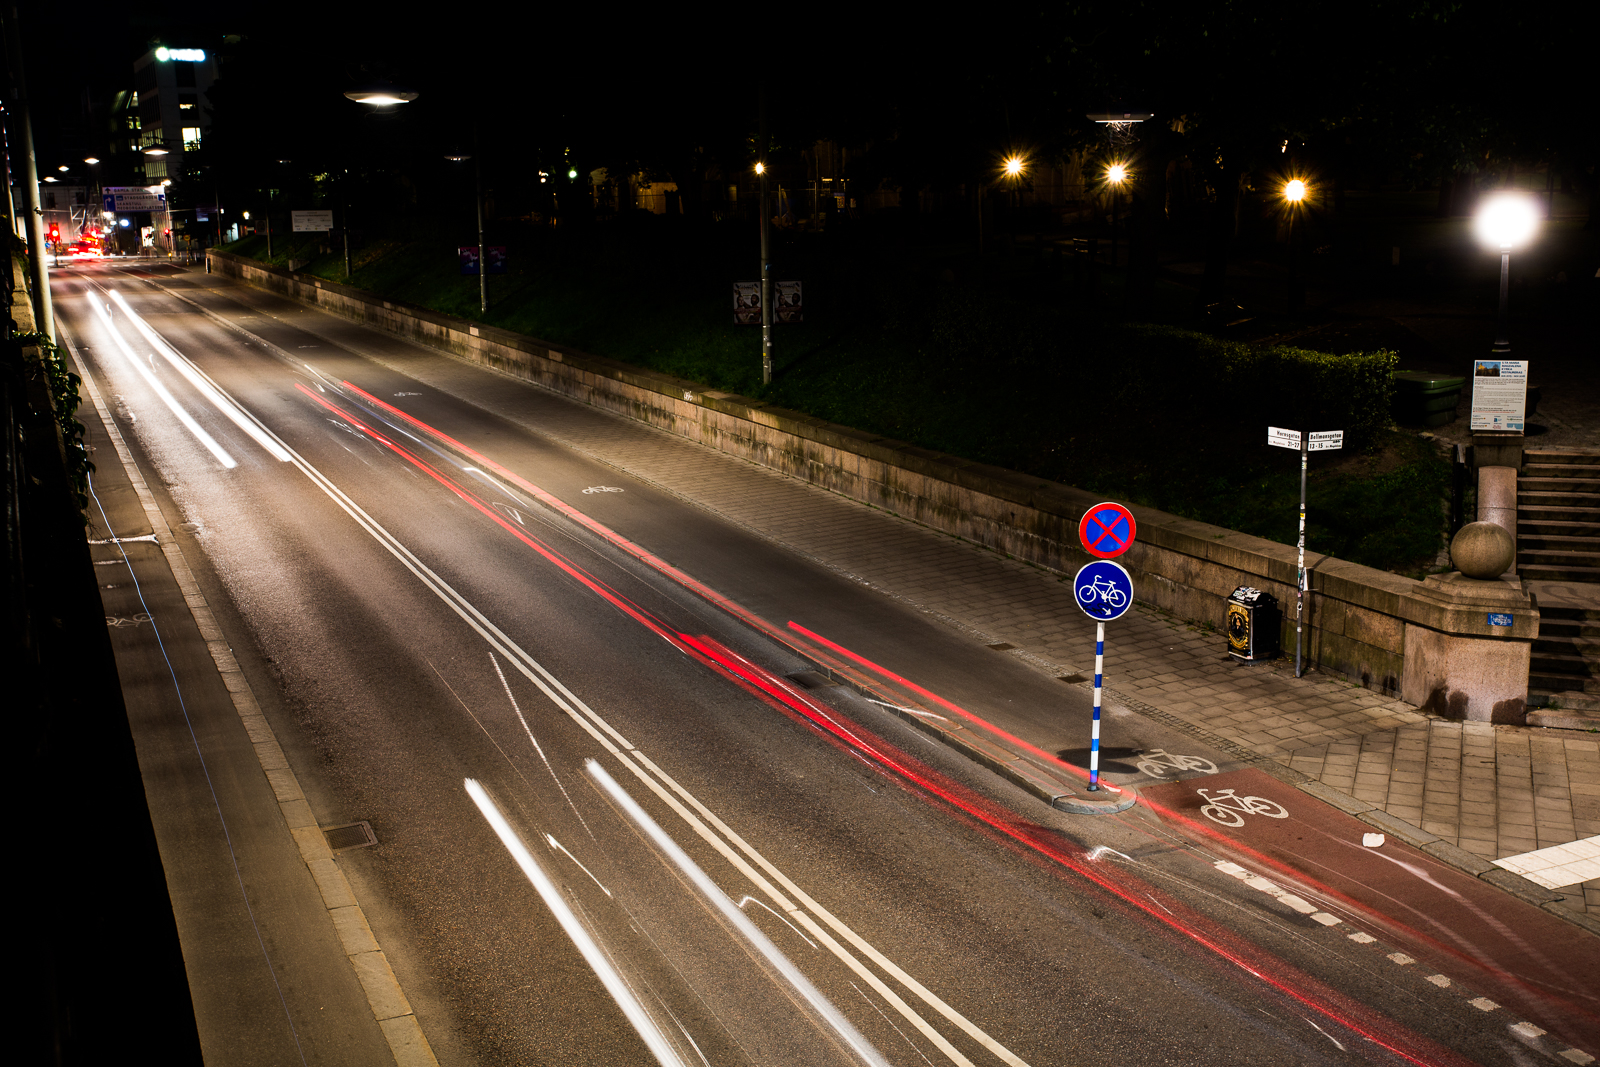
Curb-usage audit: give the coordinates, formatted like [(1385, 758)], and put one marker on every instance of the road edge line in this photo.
[(387, 1001)]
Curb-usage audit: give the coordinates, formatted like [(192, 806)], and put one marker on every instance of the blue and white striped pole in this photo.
[(1094, 734)]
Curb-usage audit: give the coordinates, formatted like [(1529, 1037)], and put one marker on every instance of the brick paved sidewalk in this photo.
[(1494, 791)]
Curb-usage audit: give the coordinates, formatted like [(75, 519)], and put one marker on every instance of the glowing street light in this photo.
[(1014, 167), (1116, 174), (1504, 222), (1295, 191)]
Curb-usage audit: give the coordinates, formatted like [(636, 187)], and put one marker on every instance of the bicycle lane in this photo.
[(1445, 926)]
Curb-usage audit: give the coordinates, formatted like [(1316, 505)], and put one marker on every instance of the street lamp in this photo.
[(1116, 174), (477, 199), (1294, 194), (1504, 222), (377, 96)]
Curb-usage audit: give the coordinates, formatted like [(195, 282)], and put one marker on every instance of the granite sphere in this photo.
[(1483, 550)]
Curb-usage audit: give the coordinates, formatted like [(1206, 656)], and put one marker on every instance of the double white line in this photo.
[(787, 897), (195, 376)]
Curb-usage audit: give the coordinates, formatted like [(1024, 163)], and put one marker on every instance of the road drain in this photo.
[(352, 835), (1002, 647)]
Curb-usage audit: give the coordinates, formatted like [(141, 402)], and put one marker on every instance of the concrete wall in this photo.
[(1357, 619)]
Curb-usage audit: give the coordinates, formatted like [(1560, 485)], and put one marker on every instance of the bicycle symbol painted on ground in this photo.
[(1102, 591), (1229, 809), (1158, 763), (601, 489)]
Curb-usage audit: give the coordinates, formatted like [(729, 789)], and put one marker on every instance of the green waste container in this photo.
[(1424, 399)]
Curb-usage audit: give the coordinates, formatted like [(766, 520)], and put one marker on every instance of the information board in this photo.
[(1499, 394)]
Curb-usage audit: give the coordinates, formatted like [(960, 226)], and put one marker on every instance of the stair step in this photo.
[(1558, 683), (1556, 511), (1541, 486), (1559, 557), (1557, 542), (1550, 455), (1557, 528), (1560, 470), (1544, 572)]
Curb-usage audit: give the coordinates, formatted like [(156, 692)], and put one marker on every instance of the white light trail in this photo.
[(202, 384), (161, 390), (640, 1019), (736, 918)]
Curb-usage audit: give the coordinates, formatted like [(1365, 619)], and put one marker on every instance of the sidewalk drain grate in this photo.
[(352, 835), (1072, 679), (1002, 647)]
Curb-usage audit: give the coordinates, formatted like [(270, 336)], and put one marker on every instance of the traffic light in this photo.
[(55, 234)]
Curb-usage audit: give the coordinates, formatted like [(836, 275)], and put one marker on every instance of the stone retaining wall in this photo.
[(1358, 616)]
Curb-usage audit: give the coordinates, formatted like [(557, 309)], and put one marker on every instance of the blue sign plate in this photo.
[(1103, 589), (1497, 619)]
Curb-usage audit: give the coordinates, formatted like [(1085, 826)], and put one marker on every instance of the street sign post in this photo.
[(1322, 441), (1104, 590)]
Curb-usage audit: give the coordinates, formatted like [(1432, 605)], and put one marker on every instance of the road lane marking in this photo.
[(617, 745), (201, 381), (402, 1032), (713, 894), (643, 1024), (160, 390)]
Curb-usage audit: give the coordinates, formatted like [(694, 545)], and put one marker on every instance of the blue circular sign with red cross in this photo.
[(1107, 530)]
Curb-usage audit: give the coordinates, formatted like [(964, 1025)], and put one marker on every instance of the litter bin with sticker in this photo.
[(1254, 622)]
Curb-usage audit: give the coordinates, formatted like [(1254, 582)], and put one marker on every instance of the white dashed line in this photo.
[(1527, 1030), (1483, 1004), (1402, 959), (1362, 939), (1439, 980)]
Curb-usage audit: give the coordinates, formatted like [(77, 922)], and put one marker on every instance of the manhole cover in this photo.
[(352, 835)]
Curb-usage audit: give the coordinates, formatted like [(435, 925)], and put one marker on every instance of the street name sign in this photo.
[(1326, 441), (124, 198), (1281, 438)]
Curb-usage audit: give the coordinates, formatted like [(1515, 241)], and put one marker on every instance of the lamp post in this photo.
[(1013, 168), (1116, 174), (377, 97), (1504, 222), (1294, 194), (477, 199)]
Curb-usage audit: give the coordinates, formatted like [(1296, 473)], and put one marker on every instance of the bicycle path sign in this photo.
[(1107, 530), (1103, 589)]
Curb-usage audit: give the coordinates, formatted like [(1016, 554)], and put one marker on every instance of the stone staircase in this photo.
[(1558, 541)]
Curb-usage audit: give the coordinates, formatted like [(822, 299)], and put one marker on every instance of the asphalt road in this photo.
[(617, 821)]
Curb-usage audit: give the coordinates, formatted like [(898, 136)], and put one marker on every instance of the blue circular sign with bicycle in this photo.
[(1104, 589)]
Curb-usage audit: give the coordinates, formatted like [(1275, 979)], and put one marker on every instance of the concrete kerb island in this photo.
[(1431, 643)]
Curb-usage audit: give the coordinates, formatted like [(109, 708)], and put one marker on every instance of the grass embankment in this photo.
[(1025, 370)]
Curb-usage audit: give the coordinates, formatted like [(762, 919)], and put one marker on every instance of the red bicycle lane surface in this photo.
[(1473, 933)]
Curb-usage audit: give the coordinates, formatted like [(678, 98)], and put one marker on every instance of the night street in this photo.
[(619, 814)]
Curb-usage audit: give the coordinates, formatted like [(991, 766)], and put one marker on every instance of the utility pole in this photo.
[(766, 262), (30, 182), (483, 263)]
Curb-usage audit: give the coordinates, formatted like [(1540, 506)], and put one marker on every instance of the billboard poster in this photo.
[(495, 255), (747, 303), (1499, 394), (312, 221), (787, 299)]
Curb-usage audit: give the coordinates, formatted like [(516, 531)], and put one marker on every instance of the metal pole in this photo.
[(1502, 343), (43, 308), (1116, 199), (483, 264), (1094, 731), (1300, 580), (766, 263)]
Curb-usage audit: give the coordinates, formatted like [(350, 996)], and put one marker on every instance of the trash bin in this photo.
[(1423, 399), (1254, 622)]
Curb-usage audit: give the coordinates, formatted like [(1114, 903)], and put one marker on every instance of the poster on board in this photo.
[(1499, 394)]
